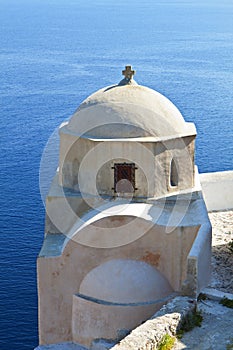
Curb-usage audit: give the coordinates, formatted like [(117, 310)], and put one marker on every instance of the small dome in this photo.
[(125, 281), (127, 110)]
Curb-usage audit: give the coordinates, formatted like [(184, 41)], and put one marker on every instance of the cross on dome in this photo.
[(128, 72)]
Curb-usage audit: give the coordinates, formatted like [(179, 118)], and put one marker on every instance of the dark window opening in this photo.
[(173, 174), (124, 177)]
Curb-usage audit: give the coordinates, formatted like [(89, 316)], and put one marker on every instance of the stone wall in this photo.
[(166, 321)]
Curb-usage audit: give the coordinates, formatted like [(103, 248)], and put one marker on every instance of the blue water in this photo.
[(54, 53)]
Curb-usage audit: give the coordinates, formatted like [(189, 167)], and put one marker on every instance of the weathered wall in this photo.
[(59, 277), (95, 320), (86, 165)]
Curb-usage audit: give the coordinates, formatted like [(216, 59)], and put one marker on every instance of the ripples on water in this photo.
[(55, 53)]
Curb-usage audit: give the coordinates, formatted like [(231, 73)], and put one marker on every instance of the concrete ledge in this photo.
[(217, 190), (166, 321), (215, 294)]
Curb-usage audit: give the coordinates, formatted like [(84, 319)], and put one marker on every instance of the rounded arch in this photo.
[(125, 281)]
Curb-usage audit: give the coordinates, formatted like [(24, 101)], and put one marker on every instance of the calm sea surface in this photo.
[(53, 54)]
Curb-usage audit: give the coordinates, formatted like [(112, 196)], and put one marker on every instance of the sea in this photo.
[(53, 54)]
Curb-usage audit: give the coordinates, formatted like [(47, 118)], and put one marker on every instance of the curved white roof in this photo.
[(127, 111)]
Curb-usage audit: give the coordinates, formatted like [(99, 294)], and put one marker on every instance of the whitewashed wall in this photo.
[(218, 190)]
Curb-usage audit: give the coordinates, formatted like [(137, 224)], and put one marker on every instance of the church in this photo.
[(126, 225)]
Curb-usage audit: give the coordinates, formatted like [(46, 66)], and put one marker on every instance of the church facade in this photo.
[(126, 224)]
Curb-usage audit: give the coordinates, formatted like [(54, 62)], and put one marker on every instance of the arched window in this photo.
[(173, 174)]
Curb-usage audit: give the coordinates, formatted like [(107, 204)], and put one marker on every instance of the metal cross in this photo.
[(128, 72)]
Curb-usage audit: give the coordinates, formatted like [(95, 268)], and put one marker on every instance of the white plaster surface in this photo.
[(87, 165), (63, 275), (125, 281), (93, 320), (218, 190), (135, 111), (199, 258), (176, 214)]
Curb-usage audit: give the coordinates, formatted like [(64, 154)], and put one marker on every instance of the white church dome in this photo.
[(127, 110)]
